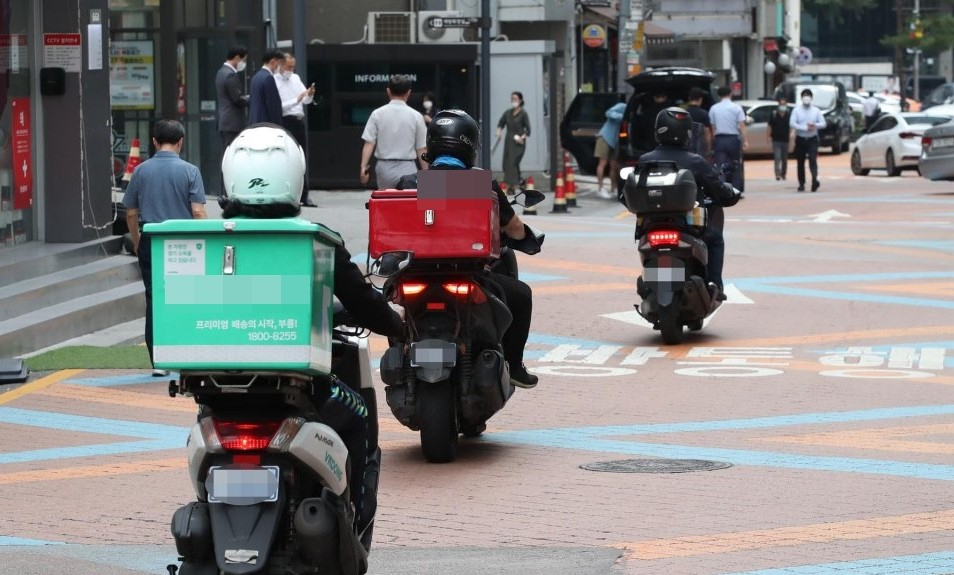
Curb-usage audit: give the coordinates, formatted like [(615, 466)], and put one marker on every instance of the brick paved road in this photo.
[(826, 382)]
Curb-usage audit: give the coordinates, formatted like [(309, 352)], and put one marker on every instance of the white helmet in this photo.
[(264, 165)]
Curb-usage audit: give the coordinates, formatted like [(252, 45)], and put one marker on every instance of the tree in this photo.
[(937, 36)]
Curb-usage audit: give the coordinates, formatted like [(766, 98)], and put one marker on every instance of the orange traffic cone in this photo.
[(559, 198), (133, 161), (570, 187), (532, 210)]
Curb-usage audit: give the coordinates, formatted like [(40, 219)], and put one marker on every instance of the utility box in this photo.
[(242, 294)]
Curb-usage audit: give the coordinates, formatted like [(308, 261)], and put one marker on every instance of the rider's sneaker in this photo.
[(520, 377)]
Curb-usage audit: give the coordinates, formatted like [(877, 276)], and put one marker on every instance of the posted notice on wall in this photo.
[(132, 75), (20, 135), (63, 50)]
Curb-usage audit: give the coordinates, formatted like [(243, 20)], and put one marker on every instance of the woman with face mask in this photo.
[(428, 108), (517, 122)]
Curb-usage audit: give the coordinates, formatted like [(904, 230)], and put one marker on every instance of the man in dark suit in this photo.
[(265, 103), (230, 111)]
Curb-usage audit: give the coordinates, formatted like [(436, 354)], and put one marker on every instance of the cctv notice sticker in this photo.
[(184, 257)]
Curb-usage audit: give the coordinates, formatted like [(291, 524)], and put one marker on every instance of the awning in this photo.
[(605, 12), (656, 34)]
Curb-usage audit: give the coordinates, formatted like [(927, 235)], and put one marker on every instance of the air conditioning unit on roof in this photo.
[(392, 27), (428, 34)]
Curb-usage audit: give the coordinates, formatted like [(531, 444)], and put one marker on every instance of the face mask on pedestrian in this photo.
[(286, 74), (807, 100), (428, 105), (782, 109), (515, 104), (241, 66)]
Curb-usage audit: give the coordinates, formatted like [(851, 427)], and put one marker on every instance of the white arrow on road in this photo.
[(827, 216), (733, 295)]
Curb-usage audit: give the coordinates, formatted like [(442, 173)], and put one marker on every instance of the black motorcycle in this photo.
[(450, 376), (669, 230)]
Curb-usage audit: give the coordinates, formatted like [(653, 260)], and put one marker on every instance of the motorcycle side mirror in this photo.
[(626, 172), (531, 198), (391, 264)]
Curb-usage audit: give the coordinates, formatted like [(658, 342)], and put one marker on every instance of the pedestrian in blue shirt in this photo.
[(807, 120), (728, 125), (605, 149), (164, 187)]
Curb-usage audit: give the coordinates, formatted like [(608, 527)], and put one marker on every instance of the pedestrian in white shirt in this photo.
[(871, 108), (294, 98), (807, 120)]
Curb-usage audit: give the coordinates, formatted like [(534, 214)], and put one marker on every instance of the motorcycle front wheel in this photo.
[(437, 414)]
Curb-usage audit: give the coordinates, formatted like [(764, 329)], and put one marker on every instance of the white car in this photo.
[(893, 143)]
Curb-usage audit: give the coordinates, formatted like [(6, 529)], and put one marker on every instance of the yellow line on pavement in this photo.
[(583, 288), (88, 471), (41, 383), (112, 396), (843, 337), (889, 526)]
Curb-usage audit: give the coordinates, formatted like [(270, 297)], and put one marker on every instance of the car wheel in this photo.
[(856, 168), (836, 147), (893, 170)]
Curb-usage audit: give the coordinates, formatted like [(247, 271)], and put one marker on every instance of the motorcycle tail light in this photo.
[(246, 436), (659, 238), (436, 306), (409, 289), (466, 289)]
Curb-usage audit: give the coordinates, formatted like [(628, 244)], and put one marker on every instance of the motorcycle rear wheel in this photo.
[(437, 414), (669, 326)]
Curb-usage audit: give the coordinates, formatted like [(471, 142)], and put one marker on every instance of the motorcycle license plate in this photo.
[(433, 353), (242, 485), (668, 275)]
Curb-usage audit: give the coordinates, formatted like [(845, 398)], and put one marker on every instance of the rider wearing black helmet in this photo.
[(452, 140), (673, 132)]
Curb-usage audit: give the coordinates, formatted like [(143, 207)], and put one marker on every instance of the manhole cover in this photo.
[(655, 465)]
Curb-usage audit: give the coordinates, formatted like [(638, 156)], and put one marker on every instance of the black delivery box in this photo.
[(659, 187)]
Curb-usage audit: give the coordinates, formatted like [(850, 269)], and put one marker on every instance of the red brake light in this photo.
[(246, 436), (926, 141), (436, 306), (663, 238), (410, 289), (461, 289)]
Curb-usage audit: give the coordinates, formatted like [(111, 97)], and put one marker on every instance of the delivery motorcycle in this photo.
[(450, 376), (281, 484), (669, 229)]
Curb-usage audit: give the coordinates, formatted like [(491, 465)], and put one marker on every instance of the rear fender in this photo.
[(243, 535)]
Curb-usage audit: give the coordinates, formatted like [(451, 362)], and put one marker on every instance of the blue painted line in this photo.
[(7, 541), (536, 278), (764, 287), (84, 424), (755, 422), (883, 200), (116, 380), (850, 278), (924, 564), (542, 339), (571, 439), (142, 558), (96, 450)]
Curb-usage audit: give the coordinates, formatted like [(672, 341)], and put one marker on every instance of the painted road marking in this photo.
[(852, 530), (924, 564), (591, 439), (41, 383), (125, 379), (7, 540), (882, 439), (120, 397), (86, 471), (827, 216)]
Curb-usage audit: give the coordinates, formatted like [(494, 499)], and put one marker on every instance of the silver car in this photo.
[(757, 114), (937, 152)]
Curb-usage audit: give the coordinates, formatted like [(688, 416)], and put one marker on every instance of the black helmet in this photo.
[(453, 133), (673, 127)]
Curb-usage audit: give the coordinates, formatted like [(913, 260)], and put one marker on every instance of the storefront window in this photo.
[(17, 184)]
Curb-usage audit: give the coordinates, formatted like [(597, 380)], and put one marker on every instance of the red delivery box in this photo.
[(453, 214)]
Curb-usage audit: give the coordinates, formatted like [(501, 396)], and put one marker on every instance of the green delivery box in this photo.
[(242, 294)]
